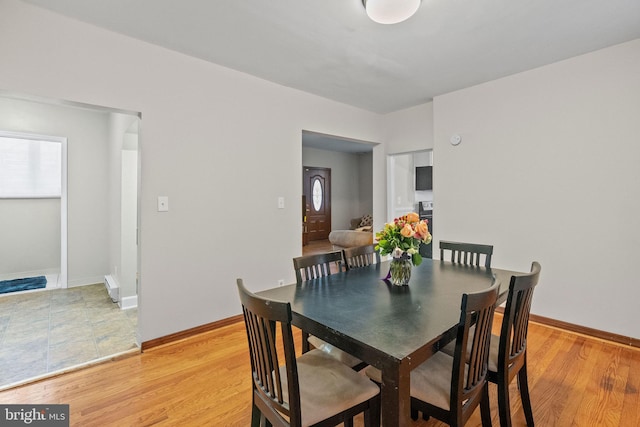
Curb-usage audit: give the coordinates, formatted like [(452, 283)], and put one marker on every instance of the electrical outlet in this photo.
[(280, 282)]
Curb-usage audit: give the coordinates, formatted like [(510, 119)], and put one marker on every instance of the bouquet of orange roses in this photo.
[(403, 236)]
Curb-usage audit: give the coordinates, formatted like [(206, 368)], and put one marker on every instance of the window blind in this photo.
[(30, 168)]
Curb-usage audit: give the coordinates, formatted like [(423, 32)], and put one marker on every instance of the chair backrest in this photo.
[(317, 265), (467, 253), (468, 379), (360, 256), (515, 323), (261, 318)]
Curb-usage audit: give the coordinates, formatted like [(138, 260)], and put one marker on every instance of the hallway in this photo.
[(51, 330)]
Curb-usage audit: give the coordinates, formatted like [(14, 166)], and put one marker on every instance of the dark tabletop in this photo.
[(357, 306)]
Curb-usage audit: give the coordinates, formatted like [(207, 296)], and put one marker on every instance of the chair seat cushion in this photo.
[(430, 382), (327, 387), (334, 352), (493, 350)]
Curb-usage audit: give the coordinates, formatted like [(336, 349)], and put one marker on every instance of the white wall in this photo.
[(88, 235), (217, 142), (409, 130), (548, 170), (30, 230), (365, 184), (129, 247), (122, 177), (347, 198)]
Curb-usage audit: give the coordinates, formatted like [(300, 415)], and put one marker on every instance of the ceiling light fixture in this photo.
[(390, 11)]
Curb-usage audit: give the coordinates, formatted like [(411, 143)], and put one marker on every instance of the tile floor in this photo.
[(50, 330)]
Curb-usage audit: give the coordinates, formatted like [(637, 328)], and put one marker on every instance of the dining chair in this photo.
[(310, 390), (466, 253), (508, 351), (448, 388), (510, 358), (318, 265), (360, 256), (312, 267)]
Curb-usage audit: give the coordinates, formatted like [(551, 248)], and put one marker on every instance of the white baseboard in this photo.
[(128, 302)]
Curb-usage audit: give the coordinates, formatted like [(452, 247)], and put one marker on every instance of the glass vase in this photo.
[(400, 270)]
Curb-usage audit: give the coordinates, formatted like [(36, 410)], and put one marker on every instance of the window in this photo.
[(317, 194), (30, 168)]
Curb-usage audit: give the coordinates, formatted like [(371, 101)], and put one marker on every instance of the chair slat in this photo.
[(466, 253), (317, 265), (360, 256)]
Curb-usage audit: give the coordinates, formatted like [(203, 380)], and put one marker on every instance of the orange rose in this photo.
[(407, 231), (412, 217), (422, 230)]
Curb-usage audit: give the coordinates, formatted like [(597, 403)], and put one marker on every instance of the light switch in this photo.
[(163, 204), (280, 202)]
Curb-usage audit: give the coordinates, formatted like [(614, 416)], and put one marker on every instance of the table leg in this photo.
[(395, 396)]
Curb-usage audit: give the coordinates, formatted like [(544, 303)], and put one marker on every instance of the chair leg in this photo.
[(523, 385), (485, 408), (372, 415), (348, 422), (504, 408), (305, 342), (256, 416), (414, 414)]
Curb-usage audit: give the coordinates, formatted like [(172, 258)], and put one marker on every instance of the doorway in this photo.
[(316, 189), (79, 323), (350, 162), (409, 191)]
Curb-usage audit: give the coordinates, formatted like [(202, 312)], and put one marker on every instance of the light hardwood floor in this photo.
[(205, 381), (318, 247)]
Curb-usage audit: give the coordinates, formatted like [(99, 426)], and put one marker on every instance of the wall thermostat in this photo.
[(455, 139)]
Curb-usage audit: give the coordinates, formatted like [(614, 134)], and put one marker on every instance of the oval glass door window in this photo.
[(316, 190)]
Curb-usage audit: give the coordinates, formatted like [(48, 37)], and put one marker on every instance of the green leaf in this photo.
[(416, 259)]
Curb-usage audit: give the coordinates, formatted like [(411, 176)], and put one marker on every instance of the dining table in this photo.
[(393, 328)]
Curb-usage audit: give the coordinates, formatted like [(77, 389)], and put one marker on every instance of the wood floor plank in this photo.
[(550, 375), (598, 395), (630, 416)]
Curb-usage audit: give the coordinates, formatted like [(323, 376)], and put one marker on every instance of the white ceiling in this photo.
[(330, 48)]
